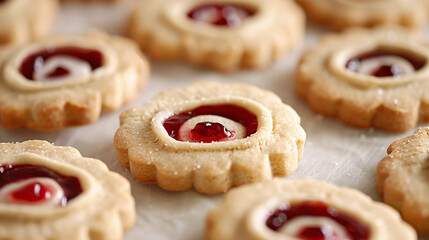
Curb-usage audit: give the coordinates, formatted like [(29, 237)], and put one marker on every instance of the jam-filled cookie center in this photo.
[(381, 63), (220, 14), (312, 220), (36, 185), (203, 131), (61, 63), (212, 123), (2, 1)]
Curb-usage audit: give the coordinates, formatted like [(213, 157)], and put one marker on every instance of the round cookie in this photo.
[(222, 34), (341, 14), (289, 210), (25, 20), (368, 78), (49, 192), (65, 80), (210, 136), (92, 0), (403, 179)]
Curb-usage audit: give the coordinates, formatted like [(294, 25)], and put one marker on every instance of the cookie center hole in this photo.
[(212, 123), (36, 185), (314, 220), (386, 63), (62, 63), (221, 14)]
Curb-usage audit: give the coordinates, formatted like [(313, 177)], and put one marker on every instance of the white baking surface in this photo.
[(333, 152)]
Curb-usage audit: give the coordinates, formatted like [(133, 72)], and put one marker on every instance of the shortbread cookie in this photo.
[(91, 0), (221, 34), (290, 210), (368, 78), (49, 192), (210, 136), (66, 80), (25, 20), (426, 5), (403, 179), (340, 14)]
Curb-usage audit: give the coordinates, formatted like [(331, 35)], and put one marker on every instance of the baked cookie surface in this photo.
[(403, 179), (49, 192), (25, 20), (368, 78), (222, 34), (303, 209), (210, 136), (92, 0), (65, 80), (341, 14)]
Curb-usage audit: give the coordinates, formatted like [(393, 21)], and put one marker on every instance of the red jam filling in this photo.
[(59, 72), (354, 228), (34, 192), (315, 233), (384, 70), (220, 14), (93, 57), (208, 132), (216, 132), (2, 1)]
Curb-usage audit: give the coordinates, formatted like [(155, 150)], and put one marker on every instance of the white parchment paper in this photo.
[(334, 152)]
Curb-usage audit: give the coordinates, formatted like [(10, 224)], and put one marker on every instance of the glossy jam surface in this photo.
[(35, 60), (35, 191), (207, 132), (353, 227), (220, 14), (212, 132), (315, 233), (384, 70)]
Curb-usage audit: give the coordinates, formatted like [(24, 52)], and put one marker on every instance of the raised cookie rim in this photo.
[(14, 78), (90, 189), (176, 15), (265, 125), (255, 223), (241, 202), (338, 58)]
